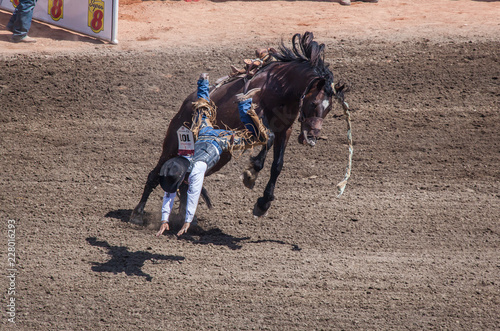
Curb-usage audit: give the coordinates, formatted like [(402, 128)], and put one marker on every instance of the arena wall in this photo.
[(97, 18)]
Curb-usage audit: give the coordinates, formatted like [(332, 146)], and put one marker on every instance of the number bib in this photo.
[(186, 142)]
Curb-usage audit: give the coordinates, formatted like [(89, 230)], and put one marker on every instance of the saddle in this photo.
[(263, 57), (252, 65)]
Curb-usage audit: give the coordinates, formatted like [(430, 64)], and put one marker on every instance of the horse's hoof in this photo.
[(136, 218), (249, 178), (259, 212)]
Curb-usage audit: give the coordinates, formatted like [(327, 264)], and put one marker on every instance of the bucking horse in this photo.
[(297, 84)]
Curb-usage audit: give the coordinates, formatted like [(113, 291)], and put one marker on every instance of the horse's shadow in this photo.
[(122, 260), (121, 214), (216, 236), (198, 236)]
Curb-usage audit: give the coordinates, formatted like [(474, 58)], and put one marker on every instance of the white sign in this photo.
[(96, 18), (186, 142)]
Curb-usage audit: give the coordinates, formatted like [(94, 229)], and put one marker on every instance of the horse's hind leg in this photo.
[(151, 183), (257, 163)]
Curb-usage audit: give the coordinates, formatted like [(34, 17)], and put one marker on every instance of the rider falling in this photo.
[(210, 143)]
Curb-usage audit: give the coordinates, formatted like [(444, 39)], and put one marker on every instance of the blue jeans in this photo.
[(243, 108), (20, 22), (203, 89), (205, 151), (213, 142)]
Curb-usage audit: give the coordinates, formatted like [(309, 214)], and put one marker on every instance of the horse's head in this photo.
[(315, 104), (306, 74)]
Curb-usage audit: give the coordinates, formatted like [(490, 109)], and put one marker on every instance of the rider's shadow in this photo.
[(122, 260)]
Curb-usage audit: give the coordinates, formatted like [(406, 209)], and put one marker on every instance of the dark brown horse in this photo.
[(297, 85)]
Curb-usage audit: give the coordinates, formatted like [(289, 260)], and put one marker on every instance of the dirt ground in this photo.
[(413, 243)]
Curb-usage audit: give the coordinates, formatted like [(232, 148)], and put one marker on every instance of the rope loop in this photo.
[(340, 98)]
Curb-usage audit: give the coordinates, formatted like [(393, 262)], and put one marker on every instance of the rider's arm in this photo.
[(166, 208), (195, 185)]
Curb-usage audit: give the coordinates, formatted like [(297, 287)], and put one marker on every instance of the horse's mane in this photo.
[(306, 50)]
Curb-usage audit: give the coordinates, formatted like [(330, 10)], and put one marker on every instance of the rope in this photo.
[(246, 140), (201, 108), (341, 186)]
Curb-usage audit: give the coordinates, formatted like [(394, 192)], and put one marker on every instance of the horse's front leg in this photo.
[(257, 163), (151, 183), (264, 202)]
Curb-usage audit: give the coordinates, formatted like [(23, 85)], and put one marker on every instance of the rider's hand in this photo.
[(204, 76), (163, 227), (184, 229)]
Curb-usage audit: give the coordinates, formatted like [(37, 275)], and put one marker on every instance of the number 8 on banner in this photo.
[(96, 15), (56, 8)]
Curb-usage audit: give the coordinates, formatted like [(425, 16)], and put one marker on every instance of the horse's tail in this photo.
[(206, 198)]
